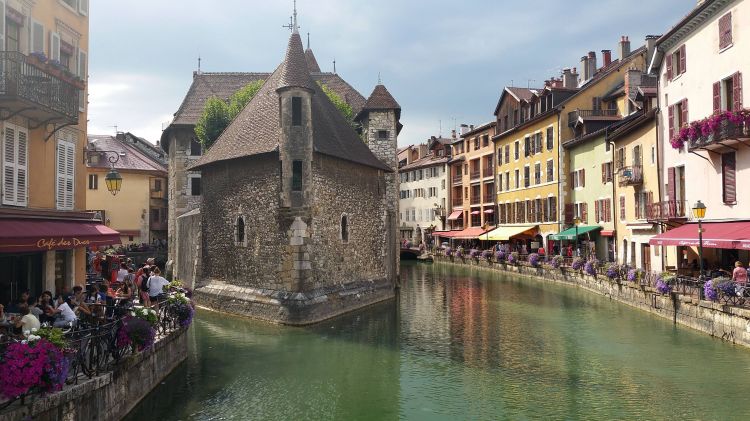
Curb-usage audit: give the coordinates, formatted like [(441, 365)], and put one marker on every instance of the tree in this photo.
[(217, 114), (344, 108)]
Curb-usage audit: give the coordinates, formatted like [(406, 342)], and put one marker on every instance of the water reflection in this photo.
[(458, 344)]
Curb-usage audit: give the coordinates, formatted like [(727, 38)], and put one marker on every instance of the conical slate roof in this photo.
[(380, 99), (294, 73), (312, 64), (256, 129)]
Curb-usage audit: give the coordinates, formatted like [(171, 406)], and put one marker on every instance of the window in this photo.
[(622, 208), (526, 176), (66, 171), (195, 185), (466, 193), (606, 172), (516, 150), (499, 156), (653, 154), (507, 154), (578, 178), (678, 117), (527, 146), (157, 185), (538, 143), (676, 63), (500, 181), (195, 148), (239, 231), (550, 138), (552, 209), (537, 173), (14, 165), (37, 37), (345, 226), (382, 134), (72, 3), (728, 177), (518, 181), (296, 111), (507, 180), (485, 141), (296, 175), (12, 35), (93, 181), (725, 31), (550, 171), (728, 94)]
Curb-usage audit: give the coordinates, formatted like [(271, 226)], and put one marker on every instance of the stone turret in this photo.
[(380, 128)]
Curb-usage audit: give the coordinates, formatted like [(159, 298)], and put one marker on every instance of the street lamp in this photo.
[(113, 179), (699, 212), (577, 221)]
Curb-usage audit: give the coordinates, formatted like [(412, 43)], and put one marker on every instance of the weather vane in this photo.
[(293, 20)]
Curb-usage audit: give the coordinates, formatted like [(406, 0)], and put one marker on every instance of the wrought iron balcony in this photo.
[(574, 116), (489, 198), (476, 199), (631, 176), (475, 174), (34, 92), (727, 133), (667, 211)]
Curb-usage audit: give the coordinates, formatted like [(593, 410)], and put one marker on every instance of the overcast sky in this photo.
[(443, 61)]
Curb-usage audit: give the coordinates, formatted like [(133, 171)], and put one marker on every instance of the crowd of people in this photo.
[(101, 298)]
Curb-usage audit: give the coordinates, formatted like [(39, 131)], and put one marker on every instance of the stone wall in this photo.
[(726, 322), (187, 261), (112, 395), (180, 200)]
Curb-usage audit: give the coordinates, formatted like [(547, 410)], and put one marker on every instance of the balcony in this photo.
[(576, 115), (726, 134), (476, 199), (631, 176), (475, 174), (158, 226), (667, 211), (157, 194), (35, 92), (489, 198), (457, 201), (488, 172), (457, 178)]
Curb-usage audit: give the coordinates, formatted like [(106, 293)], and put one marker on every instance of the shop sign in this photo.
[(62, 242)]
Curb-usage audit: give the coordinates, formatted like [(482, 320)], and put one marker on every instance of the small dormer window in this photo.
[(296, 175), (296, 111), (382, 134)]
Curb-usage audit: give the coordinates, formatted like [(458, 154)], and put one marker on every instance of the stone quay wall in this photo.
[(726, 322), (112, 395)]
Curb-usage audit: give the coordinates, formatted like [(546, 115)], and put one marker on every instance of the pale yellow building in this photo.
[(44, 230), (139, 211)]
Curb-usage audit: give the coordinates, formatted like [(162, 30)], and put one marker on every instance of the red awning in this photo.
[(455, 215), (718, 235), (18, 235), (607, 233), (467, 234)]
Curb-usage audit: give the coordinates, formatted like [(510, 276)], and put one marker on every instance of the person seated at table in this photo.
[(15, 306), (64, 312), (46, 306), (26, 321), (78, 301)]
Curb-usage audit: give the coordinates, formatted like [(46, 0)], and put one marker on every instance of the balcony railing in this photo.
[(727, 131), (457, 201), (489, 198), (475, 174), (457, 178), (158, 225), (476, 199), (665, 211), (488, 172), (573, 116), (157, 194), (631, 176), (30, 91)]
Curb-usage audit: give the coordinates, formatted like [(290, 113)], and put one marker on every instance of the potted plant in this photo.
[(534, 259), (556, 262), (613, 271), (513, 258), (662, 283), (500, 256), (577, 264)]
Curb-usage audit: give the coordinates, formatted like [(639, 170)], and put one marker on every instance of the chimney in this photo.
[(120, 136), (624, 47), (464, 129), (606, 58), (584, 68), (453, 134), (471, 127), (568, 79), (650, 47), (592, 64), (632, 82)]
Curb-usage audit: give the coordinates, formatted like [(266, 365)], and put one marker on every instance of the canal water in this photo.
[(458, 344)]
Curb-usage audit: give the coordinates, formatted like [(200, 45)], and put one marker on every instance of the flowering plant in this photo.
[(513, 258), (459, 253), (534, 259), (146, 314), (474, 253), (51, 334), (448, 251), (577, 263), (709, 125), (500, 255), (635, 275), (556, 261), (591, 266), (32, 365), (709, 292), (487, 254), (137, 332), (662, 285), (39, 56), (727, 288), (613, 271)]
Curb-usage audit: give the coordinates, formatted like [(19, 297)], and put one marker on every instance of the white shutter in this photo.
[(70, 175), (60, 175), (22, 166), (81, 64), (83, 7), (54, 46), (2, 25), (65, 172), (9, 166), (37, 37)]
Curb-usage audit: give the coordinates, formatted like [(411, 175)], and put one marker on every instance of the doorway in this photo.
[(646, 257)]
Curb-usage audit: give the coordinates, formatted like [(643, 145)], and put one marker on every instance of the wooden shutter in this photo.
[(684, 118), (622, 208), (585, 212), (737, 94), (597, 214), (669, 66), (22, 165), (539, 143), (649, 204), (608, 210), (604, 174), (37, 37), (671, 121), (637, 201), (553, 209), (2, 25), (81, 68), (717, 97), (683, 59), (671, 186), (550, 138), (583, 178), (728, 167), (54, 46), (725, 31), (527, 146), (569, 213)]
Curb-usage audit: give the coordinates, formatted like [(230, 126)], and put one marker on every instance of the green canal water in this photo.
[(458, 344)]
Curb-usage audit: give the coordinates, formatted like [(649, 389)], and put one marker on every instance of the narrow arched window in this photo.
[(239, 235), (344, 228)]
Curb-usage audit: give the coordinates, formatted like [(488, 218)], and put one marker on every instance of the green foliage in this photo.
[(239, 99), (52, 334), (213, 121), (344, 108)]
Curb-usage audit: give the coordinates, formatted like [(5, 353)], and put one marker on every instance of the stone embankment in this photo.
[(726, 322)]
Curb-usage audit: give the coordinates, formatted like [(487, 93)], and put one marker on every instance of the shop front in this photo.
[(585, 238), (47, 255)]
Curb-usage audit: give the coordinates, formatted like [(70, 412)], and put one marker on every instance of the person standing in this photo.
[(739, 276), (156, 284)]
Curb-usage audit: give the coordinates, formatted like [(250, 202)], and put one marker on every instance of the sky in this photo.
[(445, 62)]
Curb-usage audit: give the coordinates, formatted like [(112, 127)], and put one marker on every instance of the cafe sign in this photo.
[(61, 243)]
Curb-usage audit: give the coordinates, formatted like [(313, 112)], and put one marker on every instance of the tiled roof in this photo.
[(130, 157), (522, 94), (256, 129), (312, 64), (381, 99), (427, 161)]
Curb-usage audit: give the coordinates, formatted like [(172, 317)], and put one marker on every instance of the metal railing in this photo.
[(476, 199), (25, 82), (489, 198), (727, 130), (665, 211), (573, 116), (475, 174), (630, 176), (457, 178)]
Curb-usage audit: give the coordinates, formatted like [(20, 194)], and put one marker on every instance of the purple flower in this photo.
[(556, 261), (577, 263), (613, 271), (25, 367), (709, 292), (663, 287), (591, 266), (513, 258), (474, 253), (728, 288), (500, 255), (459, 253), (136, 331), (487, 254), (448, 251), (634, 275), (534, 259)]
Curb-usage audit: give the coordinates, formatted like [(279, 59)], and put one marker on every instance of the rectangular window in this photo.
[(516, 150), (728, 177), (499, 156), (550, 139), (550, 171), (93, 181), (552, 208), (526, 146), (195, 185), (622, 208), (537, 173), (14, 165), (606, 172), (12, 35), (195, 148), (526, 176), (296, 175), (382, 134), (296, 111), (65, 185), (725, 31), (507, 154), (518, 181), (538, 146)]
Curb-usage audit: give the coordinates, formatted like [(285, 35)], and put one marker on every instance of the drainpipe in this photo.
[(614, 189), (560, 202), (659, 166)]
